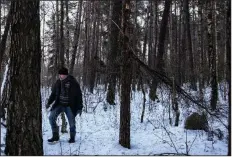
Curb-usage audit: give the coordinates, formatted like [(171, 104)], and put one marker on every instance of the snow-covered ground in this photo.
[(98, 129)]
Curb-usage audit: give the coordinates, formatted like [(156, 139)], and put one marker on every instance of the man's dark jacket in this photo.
[(75, 95)]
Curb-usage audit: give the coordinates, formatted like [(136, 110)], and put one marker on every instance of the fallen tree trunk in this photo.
[(166, 80)]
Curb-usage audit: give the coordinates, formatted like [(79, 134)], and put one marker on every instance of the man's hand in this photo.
[(79, 112), (47, 106)]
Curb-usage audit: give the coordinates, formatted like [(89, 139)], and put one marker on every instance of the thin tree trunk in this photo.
[(144, 103), (24, 118), (114, 51), (124, 134), (57, 62), (67, 33), (62, 34), (176, 45), (155, 34), (175, 104), (145, 38), (201, 40), (180, 48), (182, 54), (76, 37), (212, 56), (134, 45), (61, 59), (150, 43), (93, 51), (163, 28), (152, 93), (55, 44), (170, 56), (189, 45), (86, 49)]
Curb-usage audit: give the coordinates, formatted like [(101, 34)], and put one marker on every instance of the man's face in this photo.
[(62, 77)]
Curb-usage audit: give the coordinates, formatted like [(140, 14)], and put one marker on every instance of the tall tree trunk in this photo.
[(76, 37), (61, 41), (61, 58), (57, 34), (180, 47), (124, 134), (170, 56), (176, 45), (145, 38), (156, 34), (152, 93), (201, 44), (189, 45), (150, 43), (134, 45), (228, 76), (182, 54), (94, 50), (212, 54), (86, 47), (67, 33), (24, 119), (163, 28), (114, 51), (55, 45)]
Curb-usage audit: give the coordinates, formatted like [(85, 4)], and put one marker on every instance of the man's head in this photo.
[(63, 73)]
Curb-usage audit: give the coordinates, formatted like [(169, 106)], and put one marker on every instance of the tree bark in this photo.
[(124, 134), (150, 43), (87, 45), (67, 33), (76, 37), (182, 52), (114, 51), (93, 54), (152, 93), (212, 55), (163, 28), (135, 45), (201, 43), (144, 103), (54, 59), (189, 46), (57, 62), (24, 119), (61, 41), (61, 59)]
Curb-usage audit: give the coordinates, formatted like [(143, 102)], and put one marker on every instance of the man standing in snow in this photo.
[(67, 97)]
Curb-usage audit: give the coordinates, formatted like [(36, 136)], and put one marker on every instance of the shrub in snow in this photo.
[(196, 122), (219, 134)]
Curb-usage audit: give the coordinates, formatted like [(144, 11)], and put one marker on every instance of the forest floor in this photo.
[(98, 129)]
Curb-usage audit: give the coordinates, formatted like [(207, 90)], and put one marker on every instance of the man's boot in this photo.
[(72, 137), (55, 137)]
